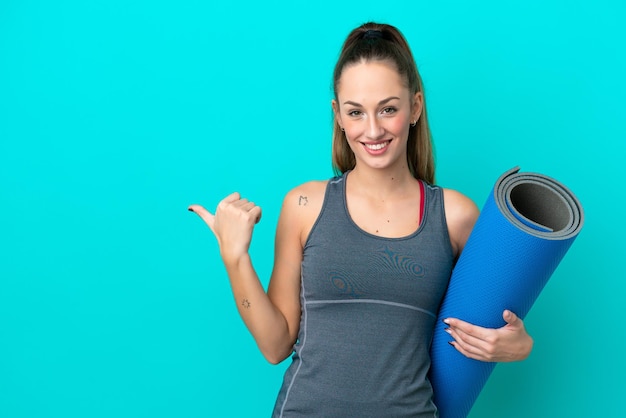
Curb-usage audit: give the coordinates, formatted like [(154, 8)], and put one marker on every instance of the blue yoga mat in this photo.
[(524, 229)]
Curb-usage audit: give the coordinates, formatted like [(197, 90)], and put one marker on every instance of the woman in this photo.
[(362, 261)]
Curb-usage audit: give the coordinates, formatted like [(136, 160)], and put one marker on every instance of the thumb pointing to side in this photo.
[(206, 216), (232, 224)]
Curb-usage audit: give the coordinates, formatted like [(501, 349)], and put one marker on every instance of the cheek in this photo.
[(399, 125), (353, 130)]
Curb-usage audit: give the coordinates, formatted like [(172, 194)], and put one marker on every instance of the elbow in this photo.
[(275, 358), (277, 347), (277, 355)]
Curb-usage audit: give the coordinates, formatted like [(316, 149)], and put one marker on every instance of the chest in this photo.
[(354, 266), (395, 219)]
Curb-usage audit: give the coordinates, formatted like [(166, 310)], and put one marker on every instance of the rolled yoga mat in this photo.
[(524, 229)]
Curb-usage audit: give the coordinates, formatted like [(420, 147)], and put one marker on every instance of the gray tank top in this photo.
[(369, 306)]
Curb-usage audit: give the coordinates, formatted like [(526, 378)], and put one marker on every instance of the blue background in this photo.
[(115, 115)]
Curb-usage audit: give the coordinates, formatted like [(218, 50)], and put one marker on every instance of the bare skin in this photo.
[(375, 110)]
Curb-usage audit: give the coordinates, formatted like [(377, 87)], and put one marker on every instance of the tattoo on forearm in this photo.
[(303, 201), (245, 303)]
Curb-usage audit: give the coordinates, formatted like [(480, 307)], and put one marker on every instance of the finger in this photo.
[(459, 343), (206, 216), (470, 343), (467, 328), (240, 203), (463, 351), (253, 210), (511, 318), (256, 212), (470, 352), (244, 205), (233, 197), (473, 347)]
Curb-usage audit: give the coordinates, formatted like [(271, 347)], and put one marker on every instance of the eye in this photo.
[(389, 111), (354, 113)]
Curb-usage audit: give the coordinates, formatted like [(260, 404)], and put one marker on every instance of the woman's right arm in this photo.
[(273, 318)]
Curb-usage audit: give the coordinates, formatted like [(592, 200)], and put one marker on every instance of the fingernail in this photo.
[(446, 321), (451, 343), (448, 330), (190, 210)]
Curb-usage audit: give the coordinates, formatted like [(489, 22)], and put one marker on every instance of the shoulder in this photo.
[(461, 214), (457, 203), (302, 205), (306, 195)]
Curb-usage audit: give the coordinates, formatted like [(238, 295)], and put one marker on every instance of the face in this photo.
[(376, 109)]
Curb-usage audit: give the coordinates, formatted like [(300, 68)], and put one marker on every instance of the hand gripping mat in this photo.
[(524, 229)]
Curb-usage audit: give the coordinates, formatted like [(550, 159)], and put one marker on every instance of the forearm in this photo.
[(265, 322)]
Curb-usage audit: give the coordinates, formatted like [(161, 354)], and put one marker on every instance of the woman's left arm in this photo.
[(509, 343)]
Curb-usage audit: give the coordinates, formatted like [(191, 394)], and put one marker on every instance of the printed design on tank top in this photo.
[(346, 285), (383, 263), (406, 266)]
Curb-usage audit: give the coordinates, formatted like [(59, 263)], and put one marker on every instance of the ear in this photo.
[(418, 105), (335, 107)]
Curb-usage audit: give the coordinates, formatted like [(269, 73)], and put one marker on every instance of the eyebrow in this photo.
[(382, 102)]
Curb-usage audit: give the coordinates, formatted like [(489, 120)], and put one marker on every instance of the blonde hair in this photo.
[(381, 42)]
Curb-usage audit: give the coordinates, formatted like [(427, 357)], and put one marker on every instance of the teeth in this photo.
[(376, 147)]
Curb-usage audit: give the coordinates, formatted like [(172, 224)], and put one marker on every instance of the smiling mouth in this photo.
[(378, 146)]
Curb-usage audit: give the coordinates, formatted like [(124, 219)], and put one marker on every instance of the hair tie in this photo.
[(373, 34)]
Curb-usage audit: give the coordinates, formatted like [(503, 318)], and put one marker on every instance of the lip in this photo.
[(376, 151)]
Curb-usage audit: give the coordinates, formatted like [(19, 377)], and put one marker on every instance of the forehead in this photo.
[(371, 81)]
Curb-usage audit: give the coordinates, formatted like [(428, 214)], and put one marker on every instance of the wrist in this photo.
[(235, 260)]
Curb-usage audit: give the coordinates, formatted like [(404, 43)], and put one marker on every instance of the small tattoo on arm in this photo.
[(303, 200), (245, 303)]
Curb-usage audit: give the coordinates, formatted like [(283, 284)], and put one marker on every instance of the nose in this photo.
[(375, 129)]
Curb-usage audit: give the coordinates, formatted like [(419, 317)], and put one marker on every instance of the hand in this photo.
[(232, 224), (509, 343)]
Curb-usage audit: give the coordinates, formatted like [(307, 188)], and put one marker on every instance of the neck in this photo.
[(382, 183)]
